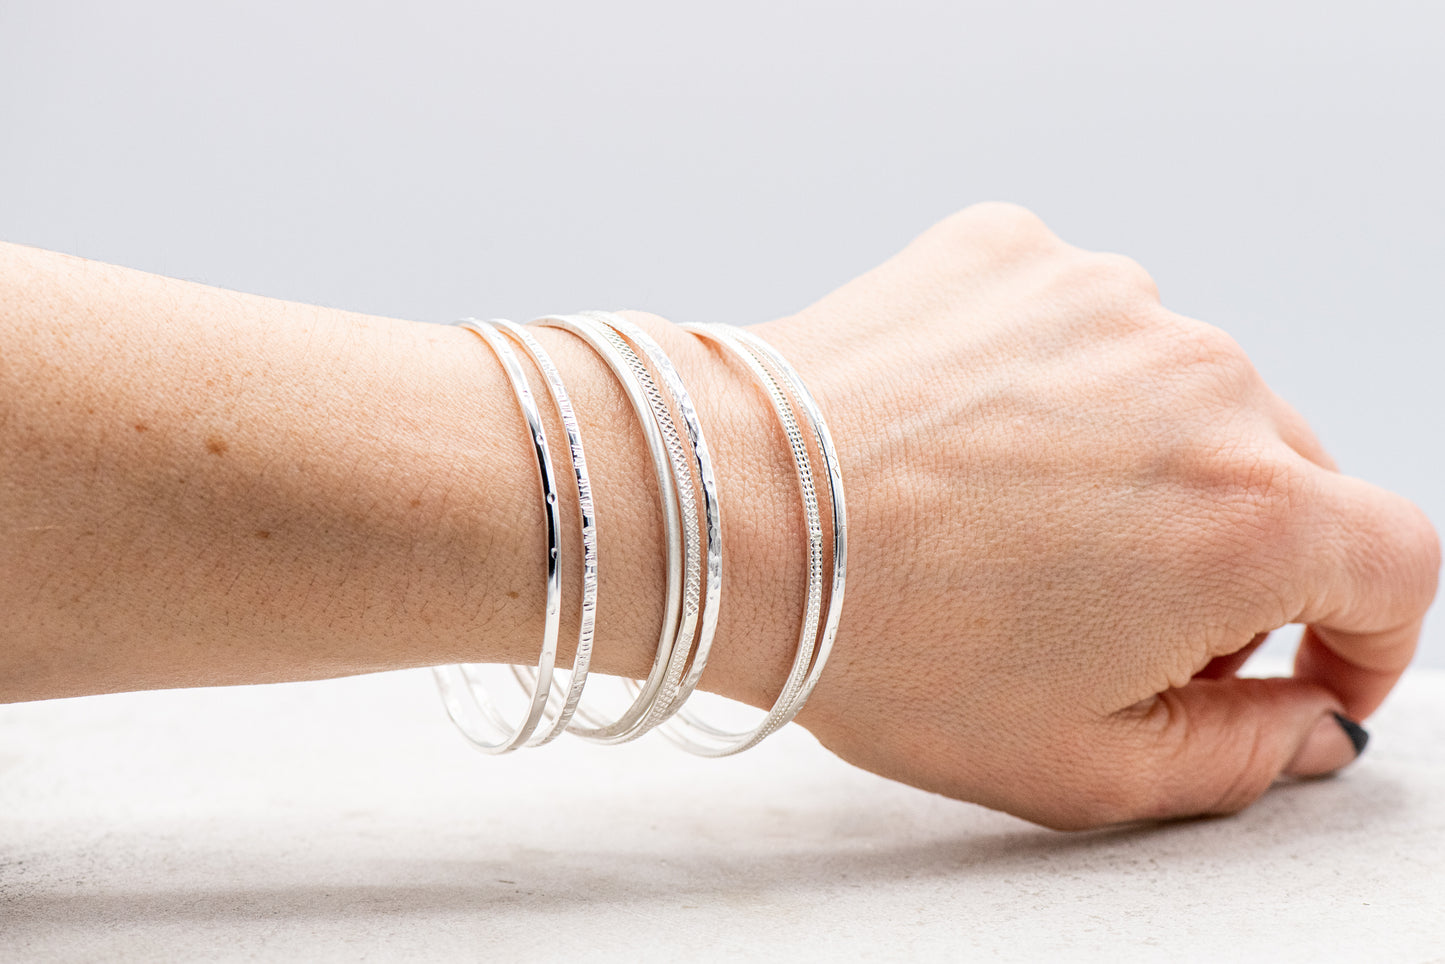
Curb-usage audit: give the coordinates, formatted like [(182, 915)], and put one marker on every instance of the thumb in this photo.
[(1215, 745)]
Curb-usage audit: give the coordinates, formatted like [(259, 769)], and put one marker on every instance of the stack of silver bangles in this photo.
[(692, 525)]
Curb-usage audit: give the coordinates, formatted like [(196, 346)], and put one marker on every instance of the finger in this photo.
[(1214, 746), (1361, 668), (1374, 574), (1297, 434), (1223, 667)]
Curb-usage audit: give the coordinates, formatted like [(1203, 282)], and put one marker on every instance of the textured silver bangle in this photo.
[(625, 366), (465, 698), (577, 681), (686, 728), (684, 492), (813, 413), (681, 683)]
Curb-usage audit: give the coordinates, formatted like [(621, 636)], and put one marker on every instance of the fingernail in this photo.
[(1358, 735), (1335, 742)]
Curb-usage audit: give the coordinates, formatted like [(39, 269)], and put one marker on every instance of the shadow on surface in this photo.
[(335, 875)]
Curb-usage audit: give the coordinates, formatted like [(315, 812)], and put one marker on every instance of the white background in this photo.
[(1277, 166)]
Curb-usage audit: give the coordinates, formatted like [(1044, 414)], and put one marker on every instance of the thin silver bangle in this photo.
[(465, 699), (702, 459), (587, 630), (629, 724), (814, 415), (685, 494), (686, 728)]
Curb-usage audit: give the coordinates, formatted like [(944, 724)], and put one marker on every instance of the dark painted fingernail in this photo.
[(1357, 733)]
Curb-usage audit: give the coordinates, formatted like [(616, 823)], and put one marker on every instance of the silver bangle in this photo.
[(685, 494), (466, 700), (690, 731), (586, 632), (678, 687), (829, 451), (620, 358)]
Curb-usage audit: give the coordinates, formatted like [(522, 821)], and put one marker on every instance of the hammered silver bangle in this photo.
[(582, 659), (466, 699), (687, 729), (676, 690), (625, 368)]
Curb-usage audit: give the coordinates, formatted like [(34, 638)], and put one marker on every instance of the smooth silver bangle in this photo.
[(586, 632), (620, 358), (686, 728), (676, 691), (465, 698)]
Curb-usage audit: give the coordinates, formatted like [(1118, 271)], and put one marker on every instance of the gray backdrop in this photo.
[(1278, 166)]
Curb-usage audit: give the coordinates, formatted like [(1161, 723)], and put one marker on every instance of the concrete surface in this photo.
[(345, 821)]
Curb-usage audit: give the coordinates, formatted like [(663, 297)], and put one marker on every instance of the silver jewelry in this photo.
[(465, 698), (630, 374), (688, 730), (583, 657), (692, 533), (824, 438), (678, 687)]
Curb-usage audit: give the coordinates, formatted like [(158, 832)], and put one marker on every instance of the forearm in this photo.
[(200, 487)]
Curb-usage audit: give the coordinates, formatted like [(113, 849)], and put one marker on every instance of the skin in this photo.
[(1072, 514)]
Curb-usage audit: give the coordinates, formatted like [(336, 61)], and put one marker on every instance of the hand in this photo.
[(1073, 514)]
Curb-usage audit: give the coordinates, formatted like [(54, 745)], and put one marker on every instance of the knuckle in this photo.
[(1198, 370), (1269, 491), (1261, 505), (1424, 561), (1116, 276), (1002, 213), (1252, 529), (1197, 346), (1002, 224), (1238, 477), (1406, 555)]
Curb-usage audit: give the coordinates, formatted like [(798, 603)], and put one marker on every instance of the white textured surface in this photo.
[(345, 821)]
